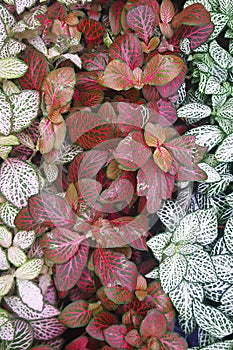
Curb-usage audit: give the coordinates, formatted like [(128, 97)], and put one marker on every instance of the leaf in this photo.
[(16, 256), (30, 270), (224, 267), (58, 88), (142, 20), (153, 325), (25, 109), (92, 30), (114, 268), (208, 226), (170, 214), (99, 323), (12, 68), (5, 237), (172, 271), (220, 55), (228, 234), (200, 268), (76, 314), (24, 239), (133, 338), (94, 61), (118, 294), (158, 243), (7, 331), (186, 231), (47, 329), (162, 69), (60, 244), (80, 342), (5, 115), (163, 158), (22, 5), (212, 320), (207, 135), (115, 336), (36, 73), (30, 294), (195, 111), (6, 283), (173, 341), (68, 274), (23, 337), (117, 76), (167, 11), (127, 48), (224, 152), (115, 16), (18, 181), (194, 15)]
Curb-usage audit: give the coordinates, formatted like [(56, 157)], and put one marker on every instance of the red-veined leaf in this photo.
[(117, 76), (60, 244), (166, 29), (114, 268), (173, 341), (151, 46), (88, 190), (105, 301), (193, 15), (118, 294), (115, 336), (165, 112), (47, 329), (150, 93), (162, 69), (60, 134), (78, 343), (92, 30), (128, 48), (24, 221), (162, 300), (99, 323), (91, 98), (76, 314), (68, 274), (87, 81), (131, 117), (120, 190), (153, 325), (133, 338), (58, 88), (94, 61), (46, 136), (182, 149), (194, 173), (41, 347), (37, 70), (86, 283), (167, 11), (142, 20), (113, 171), (163, 159), (115, 16), (171, 88)]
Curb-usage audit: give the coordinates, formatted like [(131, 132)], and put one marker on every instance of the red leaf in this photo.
[(94, 61), (115, 16), (58, 88), (115, 336), (117, 76), (172, 87), (166, 115), (76, 314), (86, 282), (91, 98), (105, 301), (167, 11), (193, 173), (37, 70), (24, 221), (113, 267), (162, 69), (118, 294), (120, 190), (182, 149), (60, 244), (99, 323), (162, 300), (142, 20), (133, 338), (78, 343), (150, 93), (88, 190), (129, 49), (92, 30), (153, 325), (193, 15), (47, 328), (173, 341), (68, 274), (131, 117), (87, 81), (47, 136)]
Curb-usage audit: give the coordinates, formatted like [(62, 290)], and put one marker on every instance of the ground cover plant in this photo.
[(116, 146)]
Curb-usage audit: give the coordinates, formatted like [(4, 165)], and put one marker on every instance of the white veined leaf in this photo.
[(8, 214), (68, 2), (5, 114), (207, 135), (25, 109), (39, 44), (224, 267), (220, 247), (170, 250), (229, 35), (227, 302), (24, 239), (226, 345), (30, 270), (47, 329), (5, 151), (219, 20), (187, 326), (212, 86), (187, 229), (30, 294), (172, 271), (229, 199), (12, 48), (154, 274), (66, 153), (3, 33), (214, 291), (200, 268), (26, 313), (212, 174), (225, 124), (206, 3), (228, 234), (224, 152), (195, 111), (10, 88), (170, 214), (185, 46), (4, 264), (23, 337), (202, 48), (12, 68), (218, 100), (182, 298), (6, 16), (187, 249), (158, 243), (16, 256), (226, 6), (74, 58), (6, 283), (212, 320), (21, 5), (18, 181), (226, 111), (51, 171), (7, 331), (5, 237), (208, 226), (205, 338), (220, 55)]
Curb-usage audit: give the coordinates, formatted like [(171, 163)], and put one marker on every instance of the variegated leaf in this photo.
[(30, 270), (200, 268), (158, 243), (207, 135), (186, 231), (21, 5), (226, 7), (16, 256), (172, 271), (8, 214), (30, 294), (6, 283), (225, 345), (5, 115), (4, 264), (5, 237), (226, 110), (208, 226), (24, 239), (47, 329), (7, 332), (212, 174), (224, 152), (23, 337), (228, 234), (212, 320), (195, 111), (226, 302), (170, 214), (18, 181), (224, 267), (12, 68), (219, 20), (220, 55)]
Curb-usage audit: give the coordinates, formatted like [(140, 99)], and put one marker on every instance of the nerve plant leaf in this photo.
[(12, 68), (23, 336), (29, 270), (22, 5), (30, 294), (76, 314)]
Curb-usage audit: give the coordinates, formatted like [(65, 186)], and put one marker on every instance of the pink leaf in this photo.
[(115, 16), (76, 314), (118, 294), (115, 336), (86, 281), (153, 325), (142, 20), (167, 11), (94, 61), (92, 30), (194, 15), (172, 341), (117, 76), (133, 338), (172, 87), (99, 323), (47, 329), (78, 343)]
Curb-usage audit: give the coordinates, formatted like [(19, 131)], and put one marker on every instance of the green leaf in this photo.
[(226, 6), (187, 229), (16, 256), (212, 320), (207, 135), (5, 237), (30, 270), (8, 214), (6, 283), (195, 111), (228, 235), (172, 271), (220, 55), (12, 68), (212, 174), (226, 111), (224, 152)]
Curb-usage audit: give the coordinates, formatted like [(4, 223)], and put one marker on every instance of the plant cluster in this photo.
[(116, 143)]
